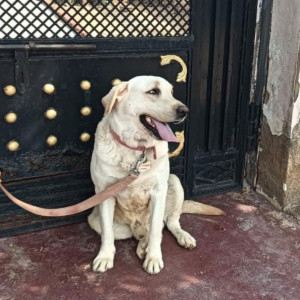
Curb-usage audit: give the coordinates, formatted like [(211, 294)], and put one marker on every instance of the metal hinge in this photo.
[(252, 130), (21, 58)]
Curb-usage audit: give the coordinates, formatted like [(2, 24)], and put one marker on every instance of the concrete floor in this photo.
[(251, 253)]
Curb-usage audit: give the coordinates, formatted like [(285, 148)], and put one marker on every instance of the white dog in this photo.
[(135, 122)]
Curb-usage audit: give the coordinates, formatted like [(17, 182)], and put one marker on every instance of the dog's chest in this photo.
[(135, 199)]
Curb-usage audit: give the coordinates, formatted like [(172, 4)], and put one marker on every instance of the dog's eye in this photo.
[(154, 91)]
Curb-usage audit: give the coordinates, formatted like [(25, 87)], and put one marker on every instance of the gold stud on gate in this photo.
[(13, 146), (49, 88), (11, 117), (51, 140), (85, 137), (51, 113), (116, 81), (85, 85), (9, 90), (85, 111)]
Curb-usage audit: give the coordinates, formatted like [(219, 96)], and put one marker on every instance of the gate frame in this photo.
[(191, 45)]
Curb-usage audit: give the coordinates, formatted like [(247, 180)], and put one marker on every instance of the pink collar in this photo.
[(140, 148)]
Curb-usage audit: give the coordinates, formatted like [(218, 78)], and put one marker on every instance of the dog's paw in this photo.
[(153, 264), (185, 240), (104, 261), (102, 264)]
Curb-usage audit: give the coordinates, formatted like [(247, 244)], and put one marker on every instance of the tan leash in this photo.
[(86, 204)]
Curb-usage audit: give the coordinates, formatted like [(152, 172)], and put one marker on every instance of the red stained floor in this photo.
[(251, 253)]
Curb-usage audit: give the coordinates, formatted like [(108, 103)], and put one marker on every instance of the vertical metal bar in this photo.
[(206, 71), (227, 94), (245, 83), (255, 107), (217, 79), (202, 47), (225, 73), (231, 98), (21, 70), (233, 123), (266, 16)]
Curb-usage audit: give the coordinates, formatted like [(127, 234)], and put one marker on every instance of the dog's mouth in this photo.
[(159, 129)]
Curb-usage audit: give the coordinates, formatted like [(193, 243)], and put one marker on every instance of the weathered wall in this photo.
[(279, 157), (292, 194)]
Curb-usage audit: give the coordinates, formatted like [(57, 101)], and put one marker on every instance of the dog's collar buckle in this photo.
[(142, 163)]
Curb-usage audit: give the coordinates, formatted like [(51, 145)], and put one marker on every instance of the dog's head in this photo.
[(147, 104)]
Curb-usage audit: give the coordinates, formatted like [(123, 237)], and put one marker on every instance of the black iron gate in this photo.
[(58, 58)]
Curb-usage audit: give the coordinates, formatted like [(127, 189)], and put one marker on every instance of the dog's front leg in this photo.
[(154, 262), (105, 258)]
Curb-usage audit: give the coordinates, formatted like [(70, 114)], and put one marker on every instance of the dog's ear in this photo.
[(117, 93)]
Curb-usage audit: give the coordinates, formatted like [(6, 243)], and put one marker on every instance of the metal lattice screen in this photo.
[(45, 19)]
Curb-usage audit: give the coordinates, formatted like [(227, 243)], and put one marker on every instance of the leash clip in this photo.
[(141, 160)]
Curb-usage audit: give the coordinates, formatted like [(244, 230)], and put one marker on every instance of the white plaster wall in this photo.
[(280, 111), (296, 108)]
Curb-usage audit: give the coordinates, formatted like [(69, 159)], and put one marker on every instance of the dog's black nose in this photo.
[(182, 111)]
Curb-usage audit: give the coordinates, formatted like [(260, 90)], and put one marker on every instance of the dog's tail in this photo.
[(192, 207)]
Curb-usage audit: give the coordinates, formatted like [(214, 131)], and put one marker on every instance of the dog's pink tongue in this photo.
[(165, 131)]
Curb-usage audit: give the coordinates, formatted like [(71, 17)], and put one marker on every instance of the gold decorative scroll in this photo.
[(166, 59), (176, 152)]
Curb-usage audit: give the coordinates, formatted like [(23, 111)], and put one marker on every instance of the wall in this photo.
[(279, 148)]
